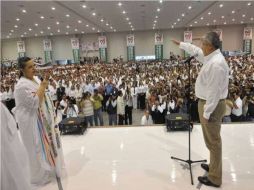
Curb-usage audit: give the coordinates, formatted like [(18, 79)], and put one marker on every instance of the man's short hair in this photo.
[(213, 38)]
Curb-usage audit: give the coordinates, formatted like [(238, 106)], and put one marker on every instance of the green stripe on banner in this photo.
[(48, 56), (247, 46), (131, 53), (158, 52), (103, 54), (76, 55), (22, 54)]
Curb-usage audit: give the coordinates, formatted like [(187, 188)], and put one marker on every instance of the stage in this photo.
[(138, 158)]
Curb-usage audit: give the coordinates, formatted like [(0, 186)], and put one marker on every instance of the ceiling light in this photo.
[(67, 26), (243, 15), (119, 4), (107, 24), (132, 26), (183, 15), (189, 7), (93, 13), (35, 24), (249, 4), (57, 23), (22, 36), (51, 34), (41, 32), (132, 29), (233, 19), (23, 11), (224, 23), (202, 18), (156, 16), (158, 9), (87, 25), (190, 25), (84, 6), (82, 32), (233, 12), (209, 13), (30, 29), (7, 36), (67, 15), (214, 20), (36, 35), (111, 27), (25, 33), (129, 23), (98, 30), (93, 28), (67, 33), (114, 30), (175, 23), (42, 17), (17, 19), (10, 34), (48, 28), (76, 29), (178, 19), (155, 21), (79, 21), (160, 1), (53, 8), (195, 22), (124, 12), (127, 19), (241, 22), (102, 20), (221, 5), (58, 30), (222, 17), (207, 24), (12, 30), (15, 26), (251, 18), (172, 26)]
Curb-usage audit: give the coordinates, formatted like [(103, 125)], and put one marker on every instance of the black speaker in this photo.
[(177, 122)]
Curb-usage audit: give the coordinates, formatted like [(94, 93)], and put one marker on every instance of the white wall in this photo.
[(144, 43)]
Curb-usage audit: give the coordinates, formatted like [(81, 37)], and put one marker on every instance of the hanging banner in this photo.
[(21, 48), (158, 39), (247, 33), (47, 50), (130, 40), (219, 32), (187, 36), (102, 42), (75, 49)]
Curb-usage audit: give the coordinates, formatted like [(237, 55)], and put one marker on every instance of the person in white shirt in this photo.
[(211, 88), (71, 110), (120, 108), (146, 120), (237, 110)]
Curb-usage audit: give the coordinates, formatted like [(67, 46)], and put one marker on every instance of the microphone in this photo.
[(190, 58)]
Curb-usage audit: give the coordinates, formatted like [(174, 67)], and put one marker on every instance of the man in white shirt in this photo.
[(211, 88), (237, 110), (146, 120)]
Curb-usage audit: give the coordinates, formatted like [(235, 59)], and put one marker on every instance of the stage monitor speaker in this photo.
[(177, 122)]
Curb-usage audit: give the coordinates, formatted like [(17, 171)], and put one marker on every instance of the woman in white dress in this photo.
[(35, 115)]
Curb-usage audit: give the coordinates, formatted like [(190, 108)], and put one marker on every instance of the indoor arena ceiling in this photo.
[(43, 18)]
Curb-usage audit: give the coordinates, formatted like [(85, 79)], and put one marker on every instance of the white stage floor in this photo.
[(138, 158)]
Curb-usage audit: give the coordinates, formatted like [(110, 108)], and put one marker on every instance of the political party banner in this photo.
[(47, 50), (74, 43), (130, 40), (75, 49), (102, 42), (21, 48), (158, 39), (247, 33), (187, 36)]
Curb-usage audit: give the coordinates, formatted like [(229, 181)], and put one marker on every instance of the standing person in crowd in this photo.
[(211, 88), (229, 106), (34, 113), (250, 112), (112, 110), (134, 95), (64, 104), (87, 109), (52, 89), (60, 91), (128, 107), (158, 113), (15, 171), (237, 110), (142, 96), (71, 110), (146, 120), (120, 108), (97, 102)]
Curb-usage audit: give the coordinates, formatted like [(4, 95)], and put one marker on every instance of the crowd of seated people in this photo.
[(156, 87)]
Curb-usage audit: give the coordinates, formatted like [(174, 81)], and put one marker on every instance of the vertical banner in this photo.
[(102, 40), (158, 39), (21, 48), (130, 47), (75, 49), (219, 32), (47, 50), (247, 40), (187, 38)]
